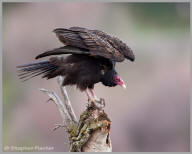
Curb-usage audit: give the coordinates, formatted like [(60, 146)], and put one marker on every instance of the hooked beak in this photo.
[(119, 81), (124, 86)]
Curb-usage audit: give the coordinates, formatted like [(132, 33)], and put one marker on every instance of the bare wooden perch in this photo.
[(91, 133)]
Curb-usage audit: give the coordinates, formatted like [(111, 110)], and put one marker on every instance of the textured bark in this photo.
[(91, 133)]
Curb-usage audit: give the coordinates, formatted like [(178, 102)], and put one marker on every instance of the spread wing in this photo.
[(95, 41), (63, 50), (99, 46), (70, 37), (117, 44)]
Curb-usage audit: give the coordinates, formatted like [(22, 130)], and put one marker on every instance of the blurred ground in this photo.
[(151, 115)]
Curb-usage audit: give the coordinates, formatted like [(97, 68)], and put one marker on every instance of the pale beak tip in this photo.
[(124, 86)]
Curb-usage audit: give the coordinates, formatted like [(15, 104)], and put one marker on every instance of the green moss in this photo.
[(79, 135)]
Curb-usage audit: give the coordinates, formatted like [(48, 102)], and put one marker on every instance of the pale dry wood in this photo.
[(67, 101), (62, 109), (97, 142), (92, 131)]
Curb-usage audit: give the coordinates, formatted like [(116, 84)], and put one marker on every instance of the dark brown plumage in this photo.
[(92, 60), (95, 42)]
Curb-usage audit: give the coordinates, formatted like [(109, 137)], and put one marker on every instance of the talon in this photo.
[(102, 102), (50, 99), (89, 99)]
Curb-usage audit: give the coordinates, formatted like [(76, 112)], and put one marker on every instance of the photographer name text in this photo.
[(28, 148)]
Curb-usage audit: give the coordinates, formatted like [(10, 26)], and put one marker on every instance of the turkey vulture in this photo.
[(92, 59)]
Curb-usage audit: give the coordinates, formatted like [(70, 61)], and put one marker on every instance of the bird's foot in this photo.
[(100, 103)]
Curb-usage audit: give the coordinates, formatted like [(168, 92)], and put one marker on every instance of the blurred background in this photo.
[(151, 115)]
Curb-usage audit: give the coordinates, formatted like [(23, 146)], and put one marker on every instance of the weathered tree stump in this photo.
[(91, 133)]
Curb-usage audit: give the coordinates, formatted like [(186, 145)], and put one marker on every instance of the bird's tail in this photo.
[(31, 70)]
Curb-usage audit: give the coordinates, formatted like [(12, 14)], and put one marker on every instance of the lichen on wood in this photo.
[(92, 120), (91, 133)]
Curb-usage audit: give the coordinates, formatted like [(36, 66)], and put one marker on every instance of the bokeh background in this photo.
[(151, 115)]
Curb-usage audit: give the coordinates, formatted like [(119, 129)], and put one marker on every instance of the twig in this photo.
[(59, 126), (62, 109), (67, 102)]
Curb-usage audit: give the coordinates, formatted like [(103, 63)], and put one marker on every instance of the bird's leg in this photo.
[(97, 100), (93, 94), (88, 95)]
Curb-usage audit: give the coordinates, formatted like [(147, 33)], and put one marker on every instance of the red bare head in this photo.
[(117, 80)]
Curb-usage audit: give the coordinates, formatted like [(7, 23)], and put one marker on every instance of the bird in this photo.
[(92, 56)]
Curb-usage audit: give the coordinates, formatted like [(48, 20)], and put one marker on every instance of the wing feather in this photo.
[(63, 50), (99, 46), (117, 44), (69, 37), (97, 42)]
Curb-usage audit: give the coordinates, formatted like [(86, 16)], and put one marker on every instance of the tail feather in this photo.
[(31, 70), (24, 72), (28, 74), (34, 68), (31, 75), (32, 64)]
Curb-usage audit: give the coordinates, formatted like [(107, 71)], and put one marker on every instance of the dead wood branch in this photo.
[(91, 133), (67, 102)]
